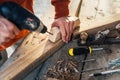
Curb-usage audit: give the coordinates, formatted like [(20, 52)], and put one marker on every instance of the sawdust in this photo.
[(63, 70)]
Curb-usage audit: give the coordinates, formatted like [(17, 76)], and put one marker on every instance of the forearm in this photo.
[(61, 7)]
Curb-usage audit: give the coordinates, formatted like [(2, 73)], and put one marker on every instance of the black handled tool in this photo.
[(82, 50), (105, 73)]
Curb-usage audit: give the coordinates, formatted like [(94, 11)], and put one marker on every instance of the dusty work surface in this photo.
[(90, 10), (99, 62), (60, 56)]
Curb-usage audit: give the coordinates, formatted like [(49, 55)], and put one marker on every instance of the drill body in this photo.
[(22, 18)]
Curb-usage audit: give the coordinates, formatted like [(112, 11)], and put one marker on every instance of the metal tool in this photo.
[(88, 60), (101, 34), (103, 41), (82, 50), (105, 73), (114, 63), (94, 69)]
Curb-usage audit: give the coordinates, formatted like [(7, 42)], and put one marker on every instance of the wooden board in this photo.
[(98, 12), (88, 11), (95, 9), (95, 25)]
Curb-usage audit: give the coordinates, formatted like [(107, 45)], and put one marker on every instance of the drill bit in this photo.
[(49, 33)]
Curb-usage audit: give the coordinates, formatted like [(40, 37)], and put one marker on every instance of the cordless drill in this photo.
[(21, 17)]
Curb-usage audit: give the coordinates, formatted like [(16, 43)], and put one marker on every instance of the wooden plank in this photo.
[(88, 11), (103, 9), (115, 6), (100, 24), (95, 9)]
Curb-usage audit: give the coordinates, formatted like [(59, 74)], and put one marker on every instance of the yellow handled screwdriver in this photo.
[(82, 50)]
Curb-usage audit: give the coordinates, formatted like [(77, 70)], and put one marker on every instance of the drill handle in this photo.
[(20, 16)]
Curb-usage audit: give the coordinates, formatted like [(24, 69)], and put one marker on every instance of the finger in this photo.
[(67, 31), (12, 35), (54, 24), (2, 46), (71, 28), (13, 29), (63, 32), (8, 34), (16, 31), (5, 33), (4, 39)]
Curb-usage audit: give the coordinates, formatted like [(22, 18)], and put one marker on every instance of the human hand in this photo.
[(66, 27), (8, 30)]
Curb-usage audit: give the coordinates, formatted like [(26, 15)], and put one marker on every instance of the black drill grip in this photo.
[(21, 17)]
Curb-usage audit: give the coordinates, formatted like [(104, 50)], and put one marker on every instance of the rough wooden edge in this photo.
[(99, 24)]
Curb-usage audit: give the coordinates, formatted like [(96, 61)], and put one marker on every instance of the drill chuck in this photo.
[(21, 17)]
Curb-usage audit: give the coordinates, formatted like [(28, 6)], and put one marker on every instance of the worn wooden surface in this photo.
[(61, 54)]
